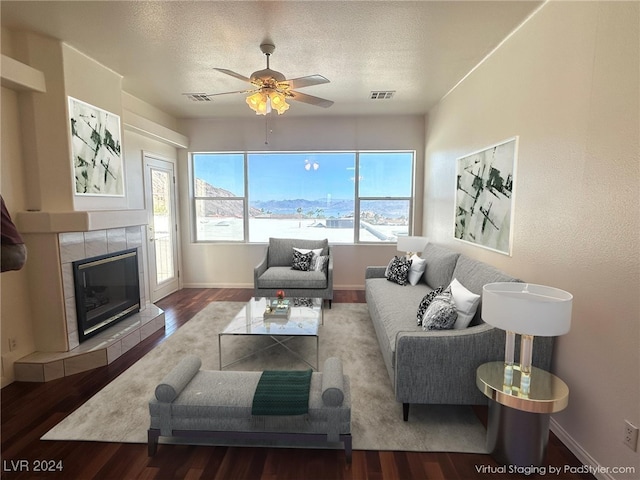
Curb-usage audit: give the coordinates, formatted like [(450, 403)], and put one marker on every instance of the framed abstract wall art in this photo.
[(484, 196), (96, 150)]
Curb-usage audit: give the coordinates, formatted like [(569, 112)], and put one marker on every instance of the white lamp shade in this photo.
[(412, 244), (525, 308)]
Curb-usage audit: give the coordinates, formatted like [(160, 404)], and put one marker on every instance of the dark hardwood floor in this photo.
[(29, 410)]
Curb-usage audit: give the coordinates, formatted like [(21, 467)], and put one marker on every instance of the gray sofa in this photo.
[(274, 272), (438, 366), (190, 403)]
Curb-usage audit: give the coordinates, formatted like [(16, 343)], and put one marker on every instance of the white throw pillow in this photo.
[(466, 304), (316, 251), (418, 266)]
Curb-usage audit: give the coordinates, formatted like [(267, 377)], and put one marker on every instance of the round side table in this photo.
[(518, 424)]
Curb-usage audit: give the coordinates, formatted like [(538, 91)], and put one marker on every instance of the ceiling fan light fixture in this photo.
[(271, 89), (278, 102), (259, 103)]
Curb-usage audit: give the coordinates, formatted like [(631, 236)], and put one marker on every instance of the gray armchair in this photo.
[(275, 273)]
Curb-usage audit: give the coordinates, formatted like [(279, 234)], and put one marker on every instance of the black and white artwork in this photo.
[(484, 196), (96, 150)]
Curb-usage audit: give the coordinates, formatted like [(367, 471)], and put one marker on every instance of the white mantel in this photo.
[(59, 222)]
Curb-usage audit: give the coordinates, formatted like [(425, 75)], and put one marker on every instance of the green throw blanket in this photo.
[(282, 393)]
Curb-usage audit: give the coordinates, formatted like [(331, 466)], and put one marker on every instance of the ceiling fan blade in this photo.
[(310, 99), (306, 81), (234, 74), (228, 93)]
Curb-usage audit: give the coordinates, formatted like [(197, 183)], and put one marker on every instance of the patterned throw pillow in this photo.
[(319, 262), (398, 270), (441, 313), (428, 298), (301, 261)]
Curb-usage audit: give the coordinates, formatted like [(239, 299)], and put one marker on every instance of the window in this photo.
[(218, 191), (343, 196), (385, 195)]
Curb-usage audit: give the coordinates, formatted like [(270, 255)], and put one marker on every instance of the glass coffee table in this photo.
[(305, 318)]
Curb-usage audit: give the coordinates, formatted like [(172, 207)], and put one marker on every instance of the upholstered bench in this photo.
[(215, 405)]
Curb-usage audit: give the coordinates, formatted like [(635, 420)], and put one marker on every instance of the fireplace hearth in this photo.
[(107, 290)]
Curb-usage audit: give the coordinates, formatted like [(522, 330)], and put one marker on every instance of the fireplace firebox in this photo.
[(107, 291)]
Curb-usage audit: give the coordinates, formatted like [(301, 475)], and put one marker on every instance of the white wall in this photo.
[(36, 174), (228, 265), (567, 84), (15, 308)]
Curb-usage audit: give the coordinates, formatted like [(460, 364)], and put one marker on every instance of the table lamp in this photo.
[(528, 310), (412, 245)]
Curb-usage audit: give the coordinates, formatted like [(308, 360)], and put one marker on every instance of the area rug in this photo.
[(119, 412)]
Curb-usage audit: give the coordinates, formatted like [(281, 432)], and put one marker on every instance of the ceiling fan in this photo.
[(271, 89)]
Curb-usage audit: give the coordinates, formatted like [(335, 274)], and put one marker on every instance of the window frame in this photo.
[(245, 199)]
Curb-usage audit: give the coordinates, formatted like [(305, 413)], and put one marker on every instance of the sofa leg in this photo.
[(405, 412)]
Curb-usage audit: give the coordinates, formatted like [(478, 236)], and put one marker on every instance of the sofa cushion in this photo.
[(440, 265), (286, 277), (280, 253), (441, 313), (395, 308), (474, 274)]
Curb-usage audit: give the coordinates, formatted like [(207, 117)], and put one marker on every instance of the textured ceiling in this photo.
[(419, 49)]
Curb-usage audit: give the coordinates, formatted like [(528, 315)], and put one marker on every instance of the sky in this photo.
[(312, 176)]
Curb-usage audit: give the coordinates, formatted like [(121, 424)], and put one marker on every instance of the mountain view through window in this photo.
[(343, 196)]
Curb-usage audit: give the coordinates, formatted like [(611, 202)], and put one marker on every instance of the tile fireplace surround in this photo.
[(110, 344)]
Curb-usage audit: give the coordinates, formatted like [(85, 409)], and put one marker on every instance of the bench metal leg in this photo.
[(405, 412), (348, 450), (153, 435)]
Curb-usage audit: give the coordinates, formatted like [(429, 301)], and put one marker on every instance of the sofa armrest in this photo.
[(332, 382), (330, 269), (375, 272), (440, 366), (261, 267)]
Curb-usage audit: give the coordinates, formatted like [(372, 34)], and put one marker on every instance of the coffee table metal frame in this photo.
[(303, 321)]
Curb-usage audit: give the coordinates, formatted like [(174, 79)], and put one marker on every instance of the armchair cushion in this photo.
[(286, 277)]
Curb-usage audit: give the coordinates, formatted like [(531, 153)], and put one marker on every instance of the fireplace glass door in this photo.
[(107, 290)]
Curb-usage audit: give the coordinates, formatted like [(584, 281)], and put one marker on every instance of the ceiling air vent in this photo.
[(382, 94), (198, 97)]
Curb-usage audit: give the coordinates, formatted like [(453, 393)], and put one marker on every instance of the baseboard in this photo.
[(581, 454), (217, 285), (250, 285)]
